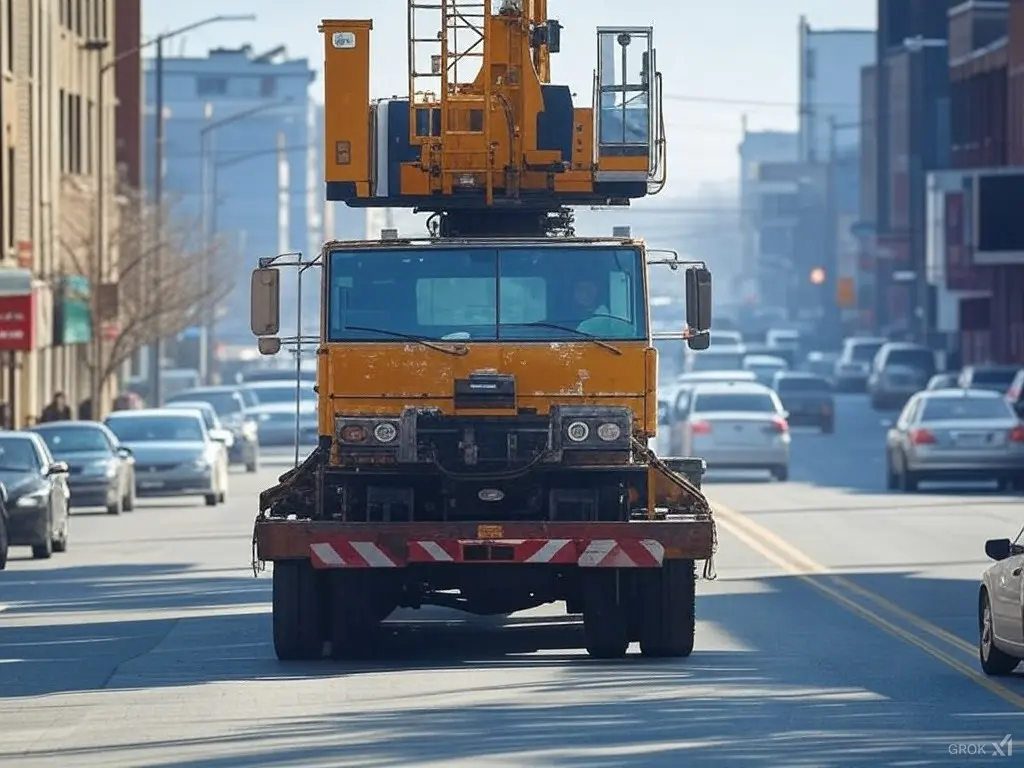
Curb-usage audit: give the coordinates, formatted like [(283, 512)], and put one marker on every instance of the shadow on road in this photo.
[(715, 708)]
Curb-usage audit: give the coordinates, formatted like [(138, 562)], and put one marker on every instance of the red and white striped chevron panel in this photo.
[(586, 553), (351, 554)]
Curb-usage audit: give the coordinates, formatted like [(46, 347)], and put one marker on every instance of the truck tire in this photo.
[(669, 616), (605, 619), (298, 634), (359, 603)]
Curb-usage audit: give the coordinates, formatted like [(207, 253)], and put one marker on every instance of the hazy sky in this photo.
[(742, 52)]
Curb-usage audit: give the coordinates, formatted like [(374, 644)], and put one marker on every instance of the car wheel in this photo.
[(115, 507), (994, 662), (892, 480), (128, 505), (781, 473), (253, 464), (45, 550), (211, 499), (60, 544), (908, 480), (3, 544)]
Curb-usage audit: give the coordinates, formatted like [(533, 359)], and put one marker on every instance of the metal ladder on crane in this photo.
[(449, 118)]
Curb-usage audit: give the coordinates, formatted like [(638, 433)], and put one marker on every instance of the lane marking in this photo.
[(754, 536), (813, 567)]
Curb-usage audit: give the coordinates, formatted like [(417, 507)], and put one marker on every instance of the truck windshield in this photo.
[(514, 293)]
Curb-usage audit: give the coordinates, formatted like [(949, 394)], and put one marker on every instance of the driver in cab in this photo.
[(597, 320)]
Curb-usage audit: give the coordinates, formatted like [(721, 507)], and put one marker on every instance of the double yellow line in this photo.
[(864, 603)]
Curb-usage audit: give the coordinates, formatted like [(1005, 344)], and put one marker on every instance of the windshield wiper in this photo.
[(569, 329), (459, 350)]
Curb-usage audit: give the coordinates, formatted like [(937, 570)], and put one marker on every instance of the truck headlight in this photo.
[(367, 432), (578, 431), (609, 431), (385, 433)]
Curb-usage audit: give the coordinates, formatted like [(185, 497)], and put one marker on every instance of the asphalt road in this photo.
[(148, 644)]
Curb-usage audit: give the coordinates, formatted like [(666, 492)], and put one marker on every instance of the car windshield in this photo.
[(143, 429), (224, 403), (283, 393), (996, 379), (64, 442), (801, 384), (738, 401), (864, 352), (716, 361), (18, 455), (965, 408), (524, 293), (922, 359)]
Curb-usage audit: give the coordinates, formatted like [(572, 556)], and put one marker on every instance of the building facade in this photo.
[(829, 93), (56, 150), (263, 152)]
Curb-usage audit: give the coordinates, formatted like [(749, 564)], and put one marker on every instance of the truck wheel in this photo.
[(297, 630), (358, 605), (605, 620), (669, 616)]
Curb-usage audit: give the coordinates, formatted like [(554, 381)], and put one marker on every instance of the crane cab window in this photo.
[(523, 293), (624, 84)]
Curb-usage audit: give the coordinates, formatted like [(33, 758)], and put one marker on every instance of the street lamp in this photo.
[(205, 214), (99, 46)]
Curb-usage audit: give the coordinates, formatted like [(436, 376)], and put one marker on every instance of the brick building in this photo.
[(52, 53)]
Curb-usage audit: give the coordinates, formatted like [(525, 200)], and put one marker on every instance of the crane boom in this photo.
[(483, 138)]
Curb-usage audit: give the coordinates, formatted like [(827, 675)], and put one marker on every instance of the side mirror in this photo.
[(220, 435), (268, 345), (124, 452), (265, 302), (698, 299), (785, 414), (997, 549), (58, 468), (701, 342)]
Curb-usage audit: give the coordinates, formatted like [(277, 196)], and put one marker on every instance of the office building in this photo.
[(53, 154)]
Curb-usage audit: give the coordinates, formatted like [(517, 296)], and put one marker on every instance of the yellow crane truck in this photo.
[(487, 394)]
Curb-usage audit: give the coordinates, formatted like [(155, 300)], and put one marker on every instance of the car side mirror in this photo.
[(58, 468), (698, 299), (785, 414), (220, 435), (265, 302), (997, 549), (124, 452)]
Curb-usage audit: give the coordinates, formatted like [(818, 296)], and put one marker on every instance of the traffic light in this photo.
[(817, 276)]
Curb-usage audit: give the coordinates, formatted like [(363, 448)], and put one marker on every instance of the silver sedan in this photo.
[(955, 434), (737, 426)]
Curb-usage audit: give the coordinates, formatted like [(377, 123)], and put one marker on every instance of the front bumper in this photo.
[(175, 482), (27, 526), (93, 492)]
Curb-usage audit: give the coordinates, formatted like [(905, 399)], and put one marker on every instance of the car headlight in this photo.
[(202, 465), (34, 499)]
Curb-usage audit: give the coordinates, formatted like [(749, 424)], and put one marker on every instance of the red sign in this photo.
[(16, 316)]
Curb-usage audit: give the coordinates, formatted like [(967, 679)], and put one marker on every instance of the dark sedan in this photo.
[(101, 470), (37, 493), (808, 400)]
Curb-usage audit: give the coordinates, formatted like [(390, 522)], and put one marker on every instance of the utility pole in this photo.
[(157, 348)]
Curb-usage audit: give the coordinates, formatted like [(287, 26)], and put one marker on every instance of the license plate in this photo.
[(971, 440), (739, 435), (151, 484)]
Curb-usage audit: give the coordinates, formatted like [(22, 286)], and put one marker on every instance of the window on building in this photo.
[(211, 86), (63, 129), (79, 17), (90, 117), (76, 133), (9, 208), (68, 12), (9, 26), (101, 19), (268, 86)]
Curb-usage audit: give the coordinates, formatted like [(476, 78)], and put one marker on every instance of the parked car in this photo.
[(175, 454), (101, 471), (807, 400), (853, 368), (229, 403), (38, 500), (276, 423), (1001, 607), (5, 524), (955, 435), (764, 367), (268, 392), (998, 378), (945, 380), (737, 426), (899, 370)]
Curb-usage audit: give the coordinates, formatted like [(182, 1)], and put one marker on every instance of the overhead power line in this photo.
[(751, 102)]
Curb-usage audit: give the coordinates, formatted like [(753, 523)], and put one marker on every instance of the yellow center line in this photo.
[(794, 562)]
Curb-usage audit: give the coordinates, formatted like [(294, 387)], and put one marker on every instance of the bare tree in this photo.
[(151, 285)]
